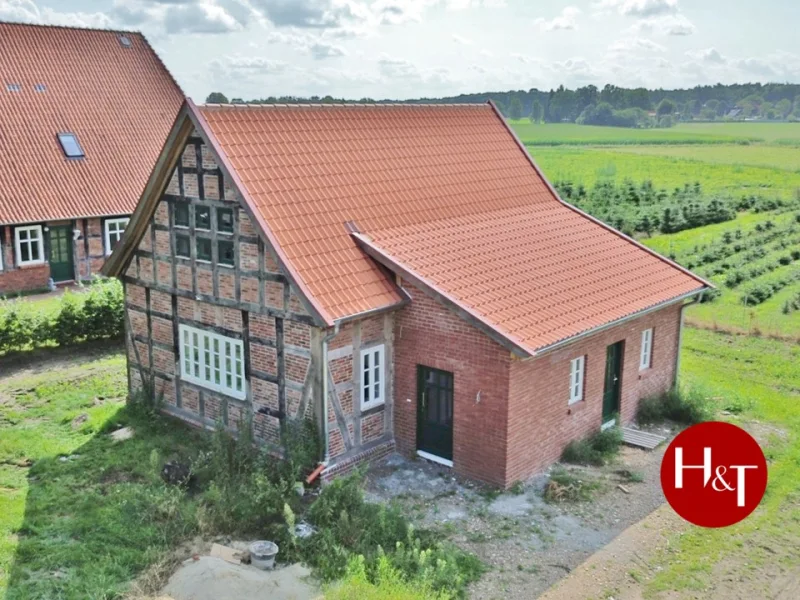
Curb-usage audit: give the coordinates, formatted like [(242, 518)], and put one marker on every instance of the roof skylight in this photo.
[(70, 145)]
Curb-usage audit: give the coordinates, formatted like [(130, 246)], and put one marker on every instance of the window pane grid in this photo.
[(576, 379), (371, 377), (213, 361)]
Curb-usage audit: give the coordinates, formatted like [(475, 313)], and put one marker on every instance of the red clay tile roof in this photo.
[(120, 102), (447, 193)]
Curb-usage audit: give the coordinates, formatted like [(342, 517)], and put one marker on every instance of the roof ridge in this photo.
[(72, 27), (267, 105), (586, 215)]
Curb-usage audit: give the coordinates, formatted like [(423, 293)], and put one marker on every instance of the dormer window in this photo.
[(70, 145)]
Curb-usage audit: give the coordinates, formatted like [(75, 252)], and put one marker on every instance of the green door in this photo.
[(613, 383), (60, 257), (435, 413)]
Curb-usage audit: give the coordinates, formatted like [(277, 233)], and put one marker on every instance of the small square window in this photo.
[(181, 214), (225, 249), (202, 218), (204, 249), (70, 145), (225, 220), (182, 247)]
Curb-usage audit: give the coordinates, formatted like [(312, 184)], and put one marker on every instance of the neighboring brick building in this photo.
[(402, 274), (83, 116)]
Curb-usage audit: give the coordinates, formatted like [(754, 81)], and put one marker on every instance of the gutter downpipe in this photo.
[(325, 341), (680, 339)]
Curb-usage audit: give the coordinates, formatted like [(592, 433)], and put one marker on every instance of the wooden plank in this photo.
[(641, 439)]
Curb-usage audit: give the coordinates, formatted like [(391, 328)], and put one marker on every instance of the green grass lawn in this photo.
[(82, 527), (786, 158), (763, 376), (589, 165)]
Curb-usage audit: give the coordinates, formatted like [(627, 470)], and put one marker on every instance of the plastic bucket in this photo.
[(262, 554)]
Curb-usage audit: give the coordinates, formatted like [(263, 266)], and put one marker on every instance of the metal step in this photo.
[(641, 439)]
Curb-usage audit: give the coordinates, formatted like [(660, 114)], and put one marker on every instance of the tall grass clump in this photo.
[(687, 407), (596, 450)]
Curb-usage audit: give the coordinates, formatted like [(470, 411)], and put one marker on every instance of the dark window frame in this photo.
[(179, 207), (198, 210), (188, 240), (230, 244), (62, 136), (204, 240), (220, 228)]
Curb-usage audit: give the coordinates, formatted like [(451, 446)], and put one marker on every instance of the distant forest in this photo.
[(612, 105)]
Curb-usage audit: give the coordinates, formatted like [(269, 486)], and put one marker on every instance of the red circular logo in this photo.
[(714, 474)]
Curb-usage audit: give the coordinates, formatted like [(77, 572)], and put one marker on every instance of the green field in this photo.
[(728, 160), (560, 134)]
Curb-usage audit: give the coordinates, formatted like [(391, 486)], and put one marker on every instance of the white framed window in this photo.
[(646, 356), (576, 371), (28, 242), (114, 230), (372, 377), (213, 361)]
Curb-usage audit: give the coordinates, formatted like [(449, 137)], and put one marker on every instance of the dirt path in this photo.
[(618, 569)]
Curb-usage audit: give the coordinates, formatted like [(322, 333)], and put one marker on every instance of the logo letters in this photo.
[(719, 474)]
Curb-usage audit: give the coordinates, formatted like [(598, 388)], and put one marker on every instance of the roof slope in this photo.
[(120, 102), (446, 193)]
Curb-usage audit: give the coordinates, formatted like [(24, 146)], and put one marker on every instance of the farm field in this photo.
[(754, 259)]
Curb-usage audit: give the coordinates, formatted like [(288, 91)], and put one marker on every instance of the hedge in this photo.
[(98, 313)]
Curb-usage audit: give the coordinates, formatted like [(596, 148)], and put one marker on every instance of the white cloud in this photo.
[(461, 40), (566, 20), (640, 8), (628, 45), (204, 17), (393, 69), (709, 55), (675, 25), (27, 11), (321, 50)]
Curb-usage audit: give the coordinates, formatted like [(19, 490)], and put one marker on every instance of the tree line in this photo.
[(612, 105)]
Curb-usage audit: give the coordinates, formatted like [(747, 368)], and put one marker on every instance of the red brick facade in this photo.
[(88, 255), (511, 417)]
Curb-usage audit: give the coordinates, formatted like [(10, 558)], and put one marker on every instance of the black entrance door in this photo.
[(613, 383), (435, 412), (60, 258)]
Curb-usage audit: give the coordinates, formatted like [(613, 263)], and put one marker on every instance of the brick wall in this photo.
[(541, 422), (353, 432), (427, 333)]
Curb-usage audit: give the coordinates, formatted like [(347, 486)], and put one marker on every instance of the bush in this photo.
[(596, 450), (389, 584), (682, 406), (98, 313), (348, 526)]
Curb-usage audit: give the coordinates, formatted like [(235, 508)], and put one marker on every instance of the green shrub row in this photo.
[(632, 207), (95, 314), (760, 291), (792, 304)]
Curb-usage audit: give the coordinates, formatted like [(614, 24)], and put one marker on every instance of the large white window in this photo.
[(114, 230), (646, 357), (576, 379), (212, 361), (372, 377), (29, 246)]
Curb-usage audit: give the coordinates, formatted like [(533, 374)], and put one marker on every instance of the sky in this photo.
[(430, 48)]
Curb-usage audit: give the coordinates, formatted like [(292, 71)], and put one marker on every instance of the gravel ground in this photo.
[(529, 544)]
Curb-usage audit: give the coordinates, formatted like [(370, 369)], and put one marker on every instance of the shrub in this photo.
[(98, 313), (595, 450), (348, 525), (682, 406), (389, 584)]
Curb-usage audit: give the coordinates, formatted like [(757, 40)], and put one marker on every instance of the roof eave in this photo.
[(640, 313)]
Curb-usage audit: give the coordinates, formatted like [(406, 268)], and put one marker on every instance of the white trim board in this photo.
[(434, 458)]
